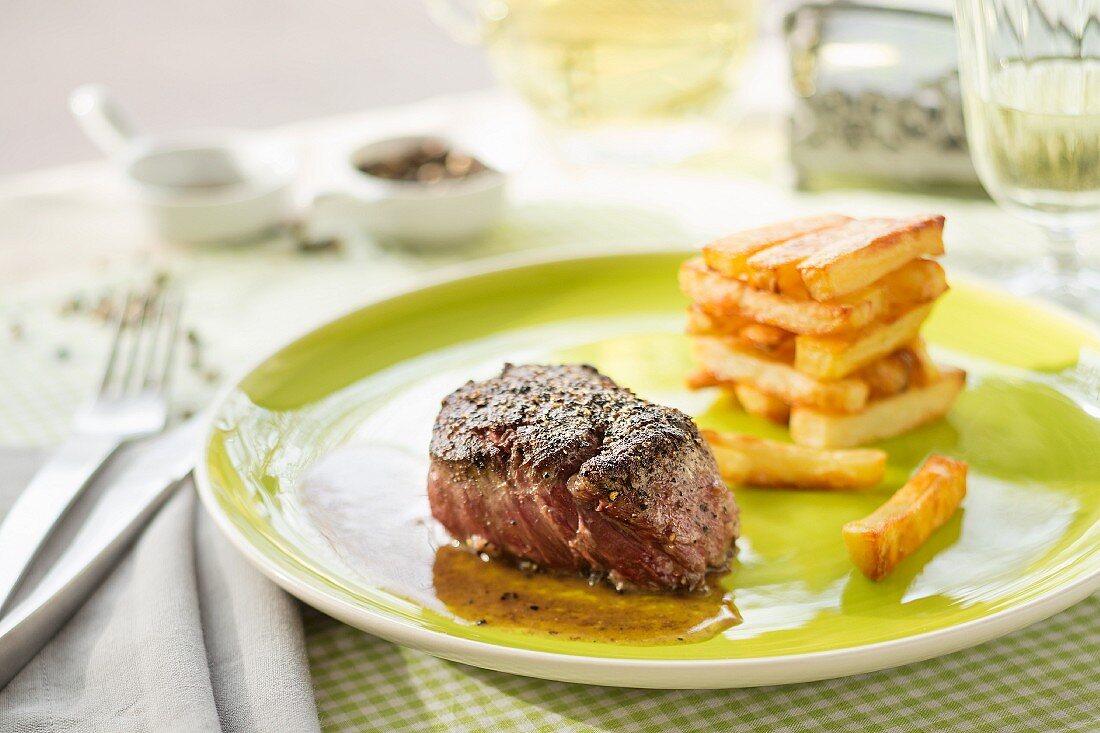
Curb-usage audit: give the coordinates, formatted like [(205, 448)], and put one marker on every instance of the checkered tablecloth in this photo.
[(1041, 679), (244, 302)]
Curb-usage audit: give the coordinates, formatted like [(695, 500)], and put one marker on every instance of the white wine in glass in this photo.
[(1031, 90), (613, 70)]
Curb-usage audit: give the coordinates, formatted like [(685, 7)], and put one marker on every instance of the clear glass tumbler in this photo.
[(1030, 72)]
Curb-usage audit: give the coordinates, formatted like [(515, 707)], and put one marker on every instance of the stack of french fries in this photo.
[(816, 322)]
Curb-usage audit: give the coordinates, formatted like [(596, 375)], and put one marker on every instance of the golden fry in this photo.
[(850, 263), (702, 378), (767, 337), (752, 400), (890, 375), (776, 268), (925, 370), (728, 255), (881, 419), (702, 322), (856, 249), (729, 361), (771, 341), (879, 541), (754, 461), (834, 357), (917, 282), (761, 404)]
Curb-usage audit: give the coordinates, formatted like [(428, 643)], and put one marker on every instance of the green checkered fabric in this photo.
[(1044, 678)]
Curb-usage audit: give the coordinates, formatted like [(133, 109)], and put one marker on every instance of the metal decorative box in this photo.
[(877, 96)]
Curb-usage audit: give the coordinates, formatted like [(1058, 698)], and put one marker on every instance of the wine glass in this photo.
[(631, 80), (1030, 73)]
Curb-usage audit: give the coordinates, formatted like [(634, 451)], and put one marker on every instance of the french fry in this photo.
[(729, 361), (834, 357), (728, 255), (770, 341), (776, 268), (752, 400), (754, 461), (888, 376), (851, 263), (917, 282), (879, 541), (761, 404), (909, 366), (703, 378), (701, 322), (925, 371), (881, 419), (767, 337)]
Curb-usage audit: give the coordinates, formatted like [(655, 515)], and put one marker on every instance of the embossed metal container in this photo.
[(877, 96)]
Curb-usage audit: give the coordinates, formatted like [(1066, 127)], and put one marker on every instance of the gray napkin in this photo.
[(183, 636)]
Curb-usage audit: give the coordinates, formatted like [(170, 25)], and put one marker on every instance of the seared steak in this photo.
[(561, 467)]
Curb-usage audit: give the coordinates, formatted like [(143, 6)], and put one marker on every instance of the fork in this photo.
[(131, 403)]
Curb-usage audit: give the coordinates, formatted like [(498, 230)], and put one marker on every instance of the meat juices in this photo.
[(561, 467)]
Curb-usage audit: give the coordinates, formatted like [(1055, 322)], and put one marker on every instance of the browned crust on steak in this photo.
[(560, 466)]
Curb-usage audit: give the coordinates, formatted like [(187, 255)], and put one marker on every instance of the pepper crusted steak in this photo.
[(561, 467)]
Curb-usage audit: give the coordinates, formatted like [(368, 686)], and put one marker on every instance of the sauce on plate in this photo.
[(496, 593)]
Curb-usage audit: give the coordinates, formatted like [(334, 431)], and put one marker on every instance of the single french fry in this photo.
[(881, 540), (761, 404), (834, 357), (701, 322), (925, 371), (909, 366), (730, 361), (767, 337), (703, 378), (744, 459), (850, 263), (728, 254), (752, 400), (917, 282), (888, 376), (881, 419)]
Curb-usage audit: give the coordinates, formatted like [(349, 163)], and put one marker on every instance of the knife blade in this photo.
[(125, 506)]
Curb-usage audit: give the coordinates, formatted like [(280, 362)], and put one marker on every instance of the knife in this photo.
[(127, 504)]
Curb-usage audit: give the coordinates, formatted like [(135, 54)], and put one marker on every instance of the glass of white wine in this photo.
[(1030, 72), (626, 79)]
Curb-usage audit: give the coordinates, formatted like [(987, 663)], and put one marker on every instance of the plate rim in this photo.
[(647, 673)]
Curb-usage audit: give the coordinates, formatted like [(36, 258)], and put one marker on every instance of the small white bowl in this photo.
[(201, 186), (427, 216), (211, 186)]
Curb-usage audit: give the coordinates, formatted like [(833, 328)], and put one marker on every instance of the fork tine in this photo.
[(156, 325), (141, 334), (164, 343), (112, 359)]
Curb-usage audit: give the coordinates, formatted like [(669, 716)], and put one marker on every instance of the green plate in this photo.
[(315, 464)]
